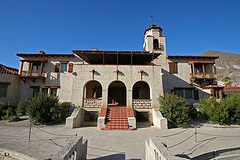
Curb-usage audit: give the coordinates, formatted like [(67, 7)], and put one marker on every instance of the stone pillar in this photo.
[(104, 98), (129, 98)]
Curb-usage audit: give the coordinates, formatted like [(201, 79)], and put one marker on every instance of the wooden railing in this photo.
[(33, 74), (142, 103), (92, 102), (202, 76)]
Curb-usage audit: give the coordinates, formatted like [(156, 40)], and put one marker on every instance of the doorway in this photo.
[(117, 94)]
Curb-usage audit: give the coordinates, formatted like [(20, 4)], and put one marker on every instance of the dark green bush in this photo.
[(175, 109), (7, 110), (22, 107), (45, 108), (223, 112)]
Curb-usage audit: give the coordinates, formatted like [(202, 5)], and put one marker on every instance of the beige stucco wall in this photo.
[(12, 89), (106, 74)]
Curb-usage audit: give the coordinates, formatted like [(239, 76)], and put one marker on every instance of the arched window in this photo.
[(155, 44)]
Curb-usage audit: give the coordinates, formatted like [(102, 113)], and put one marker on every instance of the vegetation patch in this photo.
[(223, 112), (176, 109)]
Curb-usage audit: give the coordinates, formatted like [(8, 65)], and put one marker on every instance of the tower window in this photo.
[(155, 44)]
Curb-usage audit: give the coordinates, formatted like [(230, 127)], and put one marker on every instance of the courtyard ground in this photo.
[(103, 145)]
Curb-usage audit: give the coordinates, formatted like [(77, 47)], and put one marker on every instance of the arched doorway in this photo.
[(141, 90), (92, 94), (117, 94)]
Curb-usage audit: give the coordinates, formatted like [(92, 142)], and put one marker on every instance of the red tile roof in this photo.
[(232, 89), (208, 62), (190, 56), (8, 70), (212, 86), (153, 27), (34, 60), (43, 55)]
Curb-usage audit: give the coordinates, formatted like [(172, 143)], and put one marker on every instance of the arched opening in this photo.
[(92, 94), (117, 94), (155, 44), (141, 90)]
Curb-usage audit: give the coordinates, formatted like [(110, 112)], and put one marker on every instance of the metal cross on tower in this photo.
[(152, 19)]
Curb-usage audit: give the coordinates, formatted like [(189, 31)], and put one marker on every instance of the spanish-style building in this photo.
[(107, 86)]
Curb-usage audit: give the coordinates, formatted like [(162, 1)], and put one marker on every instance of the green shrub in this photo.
[(232, 103), (175, 109), (7, 110), (45, 108), (22, 107), (223, 112)]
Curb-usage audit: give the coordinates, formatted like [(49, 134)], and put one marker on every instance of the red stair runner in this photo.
[(117, 118)]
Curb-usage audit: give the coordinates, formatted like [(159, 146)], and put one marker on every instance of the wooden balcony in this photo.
[(33, 76), (202, 76)]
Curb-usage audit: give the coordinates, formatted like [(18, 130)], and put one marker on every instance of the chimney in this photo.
[(94, 49), (41, 52)]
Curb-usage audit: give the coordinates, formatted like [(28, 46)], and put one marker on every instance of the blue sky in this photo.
[(192, 27)]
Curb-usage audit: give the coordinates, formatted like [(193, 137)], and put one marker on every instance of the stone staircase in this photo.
[(117, 118)]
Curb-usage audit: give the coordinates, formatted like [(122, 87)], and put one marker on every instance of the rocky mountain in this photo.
[(228, 64)]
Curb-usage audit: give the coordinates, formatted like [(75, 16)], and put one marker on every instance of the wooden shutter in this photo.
[(57, 66), (196, 96), (173, 67), (70, 67)]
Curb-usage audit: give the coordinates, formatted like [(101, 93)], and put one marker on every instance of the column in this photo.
[(129, 98), (104, 98), (21, 68), (193, 70), (213, 68), (204, 72)]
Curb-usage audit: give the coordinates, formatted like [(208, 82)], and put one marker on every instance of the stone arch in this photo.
[(155, 44), (117, 93), (141, 90), (92, 89)]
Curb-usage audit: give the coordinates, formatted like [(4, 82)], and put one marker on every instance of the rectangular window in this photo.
[(198, 68), (54, 91), (179, 92), (64, 67), (3, 90), (44, 90), (189, 93), (173, 67), (35, 91)]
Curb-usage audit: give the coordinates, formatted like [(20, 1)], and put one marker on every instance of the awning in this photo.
[(116, 57), (197, 62)]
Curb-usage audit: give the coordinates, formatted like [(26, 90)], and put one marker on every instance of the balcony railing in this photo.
[(92, 102), (33, 74), (142, 103), (202, 76)]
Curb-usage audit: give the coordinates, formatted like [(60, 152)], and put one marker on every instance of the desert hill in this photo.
[(228, 64)]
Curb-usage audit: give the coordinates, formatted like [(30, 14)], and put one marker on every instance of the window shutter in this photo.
[(57, 65), (196, 96), (173, 67), (70, 67)]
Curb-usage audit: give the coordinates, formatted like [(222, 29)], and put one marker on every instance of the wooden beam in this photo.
[(117, 57), (41, 69), (193, 70), (221, 94), (131, 58), (30, 72), (213, 68), (204, 73), (103, 57), (21, 68)]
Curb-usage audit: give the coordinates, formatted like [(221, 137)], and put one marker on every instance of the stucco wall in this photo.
[(12, 88), (106, 74)]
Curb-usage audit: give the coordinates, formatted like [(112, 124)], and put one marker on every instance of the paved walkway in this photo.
[(117, 144)]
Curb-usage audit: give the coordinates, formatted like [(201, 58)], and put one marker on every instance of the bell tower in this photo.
[(154, 42)]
